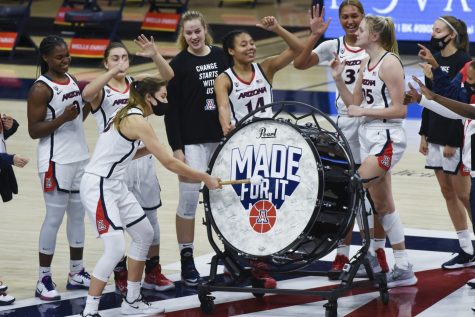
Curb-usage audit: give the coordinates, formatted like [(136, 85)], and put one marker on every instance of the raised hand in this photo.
[(147, 47), (317, 25), (337, 67), (427, 69), (426, 55), (429, 94), (412, 95), (268, 23)]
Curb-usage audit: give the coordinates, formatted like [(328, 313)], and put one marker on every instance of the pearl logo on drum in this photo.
[(263, 134)]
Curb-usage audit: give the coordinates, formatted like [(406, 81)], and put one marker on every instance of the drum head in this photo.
[(269, 217)]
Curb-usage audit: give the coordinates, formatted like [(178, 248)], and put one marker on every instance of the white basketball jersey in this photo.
[(245, 97), (353, 55), (375, 93), (3, 146), (67, 144), (112, 100), (113, 152), (469, 133)]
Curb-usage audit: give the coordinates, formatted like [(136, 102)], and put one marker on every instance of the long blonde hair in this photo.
[(188, 16), (138, 90), (384, 26)]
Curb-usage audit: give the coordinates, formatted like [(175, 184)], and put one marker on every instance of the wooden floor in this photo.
[(417, 195)]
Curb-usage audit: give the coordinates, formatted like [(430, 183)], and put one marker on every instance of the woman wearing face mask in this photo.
[(192, 123), (351, 13), (107, 94), (112, 208), (441, 138)]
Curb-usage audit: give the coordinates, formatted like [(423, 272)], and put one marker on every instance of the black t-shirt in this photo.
[(193, 114), (438, 129)]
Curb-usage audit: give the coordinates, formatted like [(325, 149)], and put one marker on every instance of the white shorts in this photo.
[(386, 143), (435, 159), (109, 204), (197, 156), (63, 177), (349, 127), (141, 179)]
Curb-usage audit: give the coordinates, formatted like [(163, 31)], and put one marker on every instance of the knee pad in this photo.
[(188, 199), (142, 237), (75, 224), (114, 250), (152, 217), (393, 227)]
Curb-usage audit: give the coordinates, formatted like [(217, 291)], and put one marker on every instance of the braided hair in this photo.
[(47, 45)]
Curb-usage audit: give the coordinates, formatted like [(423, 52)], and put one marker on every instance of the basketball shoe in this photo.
[(45, 289), (80, 280), (339, 263), (91, 315), (3, 287), (6, 299), (373, 261), (189, 274), (154, 279), (399, 277), (139, 306), (461, 260), (260, 273)]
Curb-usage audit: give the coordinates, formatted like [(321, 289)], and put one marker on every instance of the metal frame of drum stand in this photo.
[(347, 275)]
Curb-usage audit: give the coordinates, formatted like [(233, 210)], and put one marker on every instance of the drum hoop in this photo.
[(318, 202)]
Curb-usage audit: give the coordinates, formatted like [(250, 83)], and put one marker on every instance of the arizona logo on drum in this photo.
[(278, 165)]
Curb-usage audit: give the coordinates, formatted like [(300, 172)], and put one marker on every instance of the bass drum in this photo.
[(305, 202)]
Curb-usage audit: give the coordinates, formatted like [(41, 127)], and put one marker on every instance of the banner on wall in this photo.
[(413, 19)]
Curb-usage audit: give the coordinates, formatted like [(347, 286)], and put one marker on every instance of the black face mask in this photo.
[(439, 44), (160, 108), (470, 89)]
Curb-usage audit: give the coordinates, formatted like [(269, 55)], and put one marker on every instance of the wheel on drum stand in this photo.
[(256, 283), (331, 308), (383, 292), (206, 303)]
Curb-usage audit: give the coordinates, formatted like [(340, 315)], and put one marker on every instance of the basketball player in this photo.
[(350, 12), (247, 85), (378, 100), (112, 208), (55, 117), (192, 123), (107, 94), (442, 147)]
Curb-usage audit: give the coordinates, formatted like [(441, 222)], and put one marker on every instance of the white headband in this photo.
[(450, 26)]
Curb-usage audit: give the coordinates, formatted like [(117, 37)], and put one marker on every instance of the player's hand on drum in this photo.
[(426, 55), (412, 95), (449, 151), (355, 111), (423, 147), (429, 94), (268, 23), (147, 47), (70, 112), (20, 161), (317, 25), (212, 182), (337, 67)]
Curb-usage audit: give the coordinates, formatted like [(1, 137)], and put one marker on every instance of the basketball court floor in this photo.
[(429, 233)]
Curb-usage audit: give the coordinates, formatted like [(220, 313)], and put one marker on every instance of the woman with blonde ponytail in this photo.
[(377, 99), (112, 208)]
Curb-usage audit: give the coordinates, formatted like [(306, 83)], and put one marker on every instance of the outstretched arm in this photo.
[(307, 58), (274, 63), (464, 109)]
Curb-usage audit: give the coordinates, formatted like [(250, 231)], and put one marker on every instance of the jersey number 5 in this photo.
[(368, 94), (259, 104)]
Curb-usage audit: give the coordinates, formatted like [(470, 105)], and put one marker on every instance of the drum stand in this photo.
[(332, 295)]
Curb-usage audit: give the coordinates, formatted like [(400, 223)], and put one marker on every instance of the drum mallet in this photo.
[(254, 180)]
